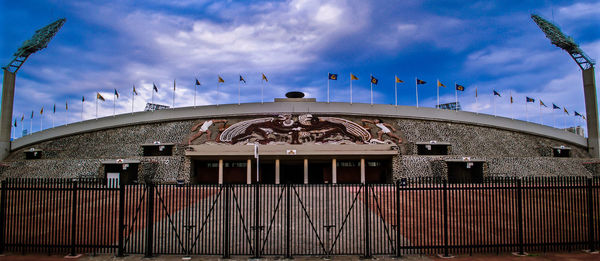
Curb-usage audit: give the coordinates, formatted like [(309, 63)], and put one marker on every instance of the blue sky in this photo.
[(479, 44)]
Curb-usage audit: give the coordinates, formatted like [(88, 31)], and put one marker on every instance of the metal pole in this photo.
[(226, 223), (350, 88), (520, 214), (417, 91), (395, 91), (328, 88), (73, 217), (367, 223), (3, 194), (445, 191), (121, 247), (149, 220), (590, 214), (398, 235), (288, 226), (256, 220)]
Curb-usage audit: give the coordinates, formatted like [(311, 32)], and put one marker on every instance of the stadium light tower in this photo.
[(589, 83), (38, 41)]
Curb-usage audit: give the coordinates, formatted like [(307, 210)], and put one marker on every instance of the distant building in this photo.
[(577, 130), (24, 132), (154, 106), (454, 106)]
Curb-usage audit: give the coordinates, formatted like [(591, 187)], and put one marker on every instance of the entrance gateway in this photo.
[(293, 149)]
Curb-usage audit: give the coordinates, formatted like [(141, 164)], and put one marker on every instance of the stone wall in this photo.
[(506, 153)]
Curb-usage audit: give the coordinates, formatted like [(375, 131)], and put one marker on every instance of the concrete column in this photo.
[(8, 98), (305, 171), (277, 171), (362, 171), (220, 171), (591, 110), (249, 171), (333, 171)]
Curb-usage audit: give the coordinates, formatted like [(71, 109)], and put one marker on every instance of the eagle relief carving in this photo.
[(292, 129)]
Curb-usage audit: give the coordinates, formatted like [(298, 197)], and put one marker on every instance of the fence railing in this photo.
[(411, 216)]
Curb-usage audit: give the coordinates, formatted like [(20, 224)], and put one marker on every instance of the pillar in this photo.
[(333, 171), (362, 171), (305, 171), (249, 171), (591, 110), (8, 97), (277, 171), (220, 171)]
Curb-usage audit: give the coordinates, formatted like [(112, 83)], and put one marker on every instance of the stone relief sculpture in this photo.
[(384, 128), (204, 128)]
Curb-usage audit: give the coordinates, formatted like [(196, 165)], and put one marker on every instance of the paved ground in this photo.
[(573, 256)]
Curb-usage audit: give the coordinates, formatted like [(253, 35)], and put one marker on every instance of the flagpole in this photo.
[(541, 113), (82, 109), (41, 122), (96, 107), (494, 101), (350, 88), (174, 93), (526, 112), (67, 111), (512, 112), (476, 103), (327, 87), (417, 91), (132, 99), (53, 116), (371, 90), (395, 91), (114, 104), (152, 93), (438, 93), (564, 121), (195, 88), (455, 97), (21, 129), (31, 125), (553, 116), (239, 91), (262, 97), (217, 92)]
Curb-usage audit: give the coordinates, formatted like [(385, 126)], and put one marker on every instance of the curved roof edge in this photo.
[(247, 109)]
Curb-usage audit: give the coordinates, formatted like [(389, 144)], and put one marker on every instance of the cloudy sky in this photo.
[(117, 44)]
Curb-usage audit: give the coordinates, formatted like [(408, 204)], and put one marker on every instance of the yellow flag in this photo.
[(440, 84), (99, 97), (42, 110), (398, 80), (353, 77), (221, 79), (264, 77)]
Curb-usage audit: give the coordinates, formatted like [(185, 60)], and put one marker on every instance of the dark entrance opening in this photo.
[(291, 172), (377, 171), (206, 172), (267, 172), (127, 173), (465, 172), (234, 172), (432, 149), (348, 171), (319, 172), (561, 152)]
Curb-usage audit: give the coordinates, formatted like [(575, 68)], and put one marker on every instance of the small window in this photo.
[(33, 154), (158, 150), (433, 149), (348, 164), (561, 152)]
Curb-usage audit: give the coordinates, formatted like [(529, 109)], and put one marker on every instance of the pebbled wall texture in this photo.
[(505, 153)]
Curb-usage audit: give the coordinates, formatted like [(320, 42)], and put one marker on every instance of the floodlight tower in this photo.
[(589, 83), (38, 41)]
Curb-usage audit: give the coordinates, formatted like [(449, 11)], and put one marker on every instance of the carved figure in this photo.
[(384, 128), (204, 128)]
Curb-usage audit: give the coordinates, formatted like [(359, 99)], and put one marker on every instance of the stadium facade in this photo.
[(298, 140)]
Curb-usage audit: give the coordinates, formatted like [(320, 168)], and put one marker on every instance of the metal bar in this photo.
[(590, 203), (73, 217), (3, 195), (520, 215), (121, 246), (398, 235), (227, 220), (367, 223), (149, 220), (445, 201), (288, 230), (256, 220)]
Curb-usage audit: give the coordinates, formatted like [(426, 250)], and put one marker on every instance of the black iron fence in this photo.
[(412, 216)]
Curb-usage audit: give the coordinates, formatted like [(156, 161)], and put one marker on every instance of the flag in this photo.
[(398, 80), (440, 84), (527, 99), (134, 91), (475, 92), (511, 99), (42, 110), (116, 93), (54, 109), (174, 84), (32, 114), (82, 98), (565, 109), (497, 93), (242, 79), (374, 80), (332, 76), (154, 87), (221, 79), (353, 77), (460, 88), (265, 78), (22, 117), (543, 104), (576, 114), (99, 97), (15, 123), (197, 82), (554, 106), (421, 81)]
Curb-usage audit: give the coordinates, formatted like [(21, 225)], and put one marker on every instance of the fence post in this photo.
[(520, 215), (73, 217), (120, 249), (445, 198), (367, 223), (398, 236), (590, 201), (149, 219), (226, 221), (288, 214), (3, 194), (257, 220)]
